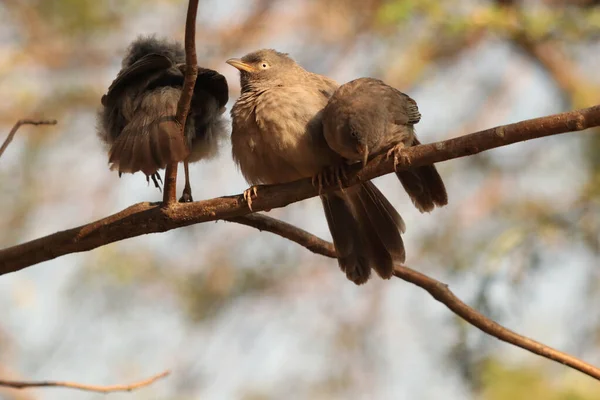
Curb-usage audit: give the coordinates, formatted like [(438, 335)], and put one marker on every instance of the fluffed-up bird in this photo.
[(364, 118), (138, 121), (277, 137)]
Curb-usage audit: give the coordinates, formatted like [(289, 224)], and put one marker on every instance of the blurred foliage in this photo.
[(529, 383), (73, 17), (205, 295), (450, 19), (211, 286)]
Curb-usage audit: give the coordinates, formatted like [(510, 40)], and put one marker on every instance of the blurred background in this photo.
[(239, 314)]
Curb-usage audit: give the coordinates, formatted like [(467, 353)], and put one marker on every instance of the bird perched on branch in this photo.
[(138, 118), (365, 117), (278, 137)]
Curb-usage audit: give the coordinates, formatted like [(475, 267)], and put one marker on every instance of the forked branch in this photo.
[(144, 218), (16, 127)]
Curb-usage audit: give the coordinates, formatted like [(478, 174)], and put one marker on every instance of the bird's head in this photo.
[(266, 68), (145, 45), (353, 131), (354, 137)]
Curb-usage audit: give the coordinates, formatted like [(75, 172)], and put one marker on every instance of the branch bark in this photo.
[(16, 127), (144, 218), (80, 386), (183, 106)]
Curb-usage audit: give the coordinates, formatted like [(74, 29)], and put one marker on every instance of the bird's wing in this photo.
[(214, 83), (403, 108), (147, 64)]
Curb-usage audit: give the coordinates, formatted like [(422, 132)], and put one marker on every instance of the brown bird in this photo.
[(138, 117), (278, 137), (364, 118)]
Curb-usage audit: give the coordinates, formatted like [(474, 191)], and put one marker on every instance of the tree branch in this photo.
[(444, 295), (436, 289), (144, 218), (16, 127), (80, 386), (183, 106), (288, 231)]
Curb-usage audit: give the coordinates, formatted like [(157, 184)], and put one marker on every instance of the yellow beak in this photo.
[(240, 65), (363, 150)]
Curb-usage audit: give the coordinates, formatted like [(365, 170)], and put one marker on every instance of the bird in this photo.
[(277, 137), (137, 120), (366, 117)]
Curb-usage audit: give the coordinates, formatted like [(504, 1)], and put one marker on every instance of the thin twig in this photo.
[(444, 295), (288, 231), (80, 386), (16, 127), (436, 289), (144, 218), (183, 106)]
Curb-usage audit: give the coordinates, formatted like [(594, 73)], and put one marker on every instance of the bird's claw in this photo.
[(317, 181), (329, 176), (155, 178), (186, 197), (249, 194), (399, 153)]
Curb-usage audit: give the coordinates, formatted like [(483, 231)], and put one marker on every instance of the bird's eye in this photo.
[(264, 65), (354, 134)]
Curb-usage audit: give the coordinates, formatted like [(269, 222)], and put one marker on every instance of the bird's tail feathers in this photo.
[(347, 238), (148, 148), (366, 232), (424, 185)]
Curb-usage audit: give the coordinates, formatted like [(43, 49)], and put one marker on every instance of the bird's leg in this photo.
[(399, 153), (317, 181), (186, 197), (249, 194), (339, 176)]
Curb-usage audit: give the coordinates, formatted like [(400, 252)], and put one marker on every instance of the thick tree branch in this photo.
[(80, 386), (183, 106), (436, 289), (16, 127), (144, 218)]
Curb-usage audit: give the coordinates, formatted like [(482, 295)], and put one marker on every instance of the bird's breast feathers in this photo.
[(281, 116), (272, 134)]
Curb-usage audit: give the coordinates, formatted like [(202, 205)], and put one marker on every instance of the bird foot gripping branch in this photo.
[(330, 175), (250, 193), (399, 154)]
